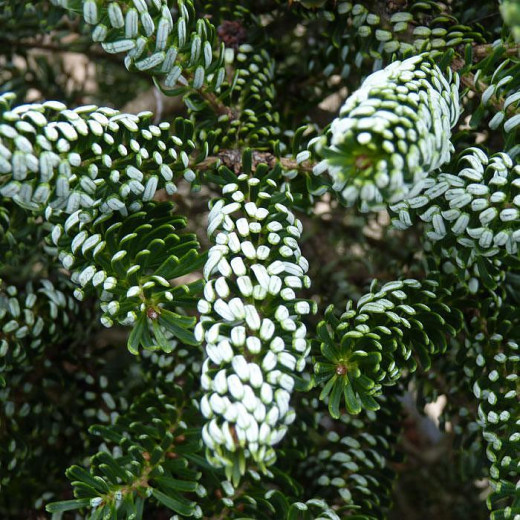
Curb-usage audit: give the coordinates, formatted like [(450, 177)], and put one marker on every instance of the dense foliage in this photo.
[(245, 245)]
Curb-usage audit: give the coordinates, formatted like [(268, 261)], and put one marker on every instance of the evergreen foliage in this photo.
[(355, 156)]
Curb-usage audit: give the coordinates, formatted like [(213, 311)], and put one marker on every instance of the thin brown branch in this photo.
[(213, 101), (484, 50), (91, 52), (233, 160), (216, 104)]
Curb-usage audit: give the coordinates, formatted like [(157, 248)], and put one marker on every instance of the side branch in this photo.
[(480, 52), (233, 160)]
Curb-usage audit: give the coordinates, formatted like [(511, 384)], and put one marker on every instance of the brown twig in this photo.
[(233, 160), (484, 50), (213, 101)]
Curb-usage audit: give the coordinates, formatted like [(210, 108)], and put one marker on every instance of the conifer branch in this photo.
[(233, 400)]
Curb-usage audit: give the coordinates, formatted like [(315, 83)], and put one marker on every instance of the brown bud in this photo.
[(341, 370), (233, 432), (232, 33), (152, 313), (363, 162)]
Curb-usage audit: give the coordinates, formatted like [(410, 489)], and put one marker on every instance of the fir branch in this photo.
[(251, 321), (386, 334), (391, 133), (475, 208), (119, 483), (224, 421)]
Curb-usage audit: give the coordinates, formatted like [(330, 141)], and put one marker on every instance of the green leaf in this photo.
[(328, 348), (324, 371), (328, 387), (135, 337), (353, 405), (162, 340), (364, 382), (368, 402), (487, 279), (168, 267), (296, 140), (438, 338), (323, 333), (247, 161), (423, 355), (174, 504), (67, 505), (335, 397), (175, 484), (82, 475), (178, 326), (174, 267), (106, 432), (280, 503)]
